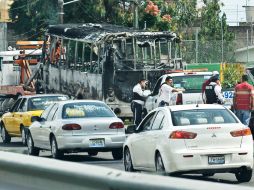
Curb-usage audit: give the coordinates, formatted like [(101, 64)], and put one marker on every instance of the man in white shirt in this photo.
[(138, 100), (166, 91)]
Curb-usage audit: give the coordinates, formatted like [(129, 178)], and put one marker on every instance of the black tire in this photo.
[(56, 153), (159, 165), (128, 166), (5, 136), (117, 154), (244, 175), (32, 150), (92, 153), (23, 136)]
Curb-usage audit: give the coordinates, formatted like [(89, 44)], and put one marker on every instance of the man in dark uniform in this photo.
[(213, 94), (138, 101)]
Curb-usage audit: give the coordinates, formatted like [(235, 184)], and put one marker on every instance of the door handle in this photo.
[(155, 100)]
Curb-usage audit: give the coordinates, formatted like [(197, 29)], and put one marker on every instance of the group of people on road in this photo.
[(243, 101)]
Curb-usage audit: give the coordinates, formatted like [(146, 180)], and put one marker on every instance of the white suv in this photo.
[(191, 82)]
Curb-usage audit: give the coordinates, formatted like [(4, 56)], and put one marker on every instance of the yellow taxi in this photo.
[(15, 122)]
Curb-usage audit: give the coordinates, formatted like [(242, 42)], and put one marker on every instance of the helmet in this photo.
[(215, 73)]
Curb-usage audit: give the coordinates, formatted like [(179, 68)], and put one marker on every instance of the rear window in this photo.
[(191, 83), (202, 116), (86, 110), (41, 103)]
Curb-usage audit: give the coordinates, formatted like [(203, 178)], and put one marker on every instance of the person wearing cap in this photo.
[(138, 100), (213, 94), (166, 91), (243, 101), (215, 74)]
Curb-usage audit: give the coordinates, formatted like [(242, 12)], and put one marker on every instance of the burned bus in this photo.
[(104, 62)]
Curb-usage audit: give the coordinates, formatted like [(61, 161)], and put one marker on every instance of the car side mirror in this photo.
[(37, 118), (130, 129)]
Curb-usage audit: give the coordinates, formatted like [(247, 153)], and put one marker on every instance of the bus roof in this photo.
[(91, 33)]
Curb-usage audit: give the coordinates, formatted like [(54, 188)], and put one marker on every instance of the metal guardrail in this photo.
[(25, 172)]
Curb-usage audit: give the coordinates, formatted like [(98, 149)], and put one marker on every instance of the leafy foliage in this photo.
[(214, 28), (31, 17)]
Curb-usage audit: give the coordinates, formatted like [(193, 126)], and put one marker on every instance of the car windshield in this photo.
[(41, 103), (202, 116), (191, 83), (86, 110)]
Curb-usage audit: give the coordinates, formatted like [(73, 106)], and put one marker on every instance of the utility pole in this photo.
[(222, 42), (61, 13), (135, 14), (61, 3)]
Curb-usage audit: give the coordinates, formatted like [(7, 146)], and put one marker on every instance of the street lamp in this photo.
[(61, 3)]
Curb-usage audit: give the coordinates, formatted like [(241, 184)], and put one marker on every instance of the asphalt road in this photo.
[(106, 160)]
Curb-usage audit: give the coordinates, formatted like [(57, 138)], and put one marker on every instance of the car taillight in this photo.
[(243, 132), (116, 125), (179, 99), (71, 126), (182, 135)]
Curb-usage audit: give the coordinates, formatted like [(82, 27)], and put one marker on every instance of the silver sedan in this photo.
[(77, 126)]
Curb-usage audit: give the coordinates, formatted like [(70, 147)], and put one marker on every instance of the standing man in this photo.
[(166, 91), (243, 100), (213, 94), (215, 74), (138, 100)]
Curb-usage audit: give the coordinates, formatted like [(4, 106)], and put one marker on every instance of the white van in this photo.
[(192, 83)]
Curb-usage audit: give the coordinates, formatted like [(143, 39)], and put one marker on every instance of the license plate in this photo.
[(96, 143), (216, 159)]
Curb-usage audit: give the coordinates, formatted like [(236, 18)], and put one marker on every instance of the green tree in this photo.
[(214, 31), (31, 17)]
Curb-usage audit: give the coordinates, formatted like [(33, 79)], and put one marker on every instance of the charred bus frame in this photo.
[(102, 61)]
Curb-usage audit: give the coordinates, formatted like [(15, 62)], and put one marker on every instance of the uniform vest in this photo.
[(211, 97), (136, 96)]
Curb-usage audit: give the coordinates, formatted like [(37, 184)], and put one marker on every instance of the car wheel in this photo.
[(243, 175), (34, 151), (23, 136), (5, 136), (92, 153), (117, 154), (56, 153), (208, 174), (128, 166), (160, 169)]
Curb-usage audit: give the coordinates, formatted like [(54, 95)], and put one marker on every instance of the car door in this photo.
[(154, 137), (10, 121), (19, 116), (36, 127), (151, 101), (140, 144), (46, 127)]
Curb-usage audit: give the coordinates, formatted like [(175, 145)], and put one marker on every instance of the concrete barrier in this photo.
[(20, 172)]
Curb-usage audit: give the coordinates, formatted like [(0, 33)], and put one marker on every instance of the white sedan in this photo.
[(203, 139), (77, 126)]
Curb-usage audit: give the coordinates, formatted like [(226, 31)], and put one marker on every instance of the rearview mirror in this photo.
[(130, 129)]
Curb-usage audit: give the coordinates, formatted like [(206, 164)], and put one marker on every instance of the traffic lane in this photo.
[(102, 159), (105, 159)]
